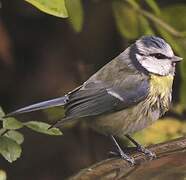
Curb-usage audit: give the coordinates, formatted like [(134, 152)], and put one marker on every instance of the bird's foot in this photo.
[(147, 152), (142, 149), (121, 153), (123, 156), (113, 154), (127, 158)]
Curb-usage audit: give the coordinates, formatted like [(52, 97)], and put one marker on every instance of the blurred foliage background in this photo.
[(44, 56)]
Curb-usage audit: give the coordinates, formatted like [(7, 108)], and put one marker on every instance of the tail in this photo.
[(39, 106)]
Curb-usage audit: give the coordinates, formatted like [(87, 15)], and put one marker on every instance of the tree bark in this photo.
[(117, 168)]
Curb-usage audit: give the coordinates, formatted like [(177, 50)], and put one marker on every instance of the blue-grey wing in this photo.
[(99, 99)]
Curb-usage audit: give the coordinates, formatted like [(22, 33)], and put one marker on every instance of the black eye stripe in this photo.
[(159, 56), (156, 55)]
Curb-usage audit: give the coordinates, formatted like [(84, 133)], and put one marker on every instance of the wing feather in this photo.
[(88, 102)]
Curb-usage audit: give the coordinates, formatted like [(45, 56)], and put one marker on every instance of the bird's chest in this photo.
[(160, 93)]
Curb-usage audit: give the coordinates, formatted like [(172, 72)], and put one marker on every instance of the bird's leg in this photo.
[(121, 153), (142, 149)]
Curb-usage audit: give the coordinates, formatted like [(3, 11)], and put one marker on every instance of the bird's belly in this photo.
[(128, 120)]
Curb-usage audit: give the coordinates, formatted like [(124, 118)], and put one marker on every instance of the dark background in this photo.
[(42, 57)]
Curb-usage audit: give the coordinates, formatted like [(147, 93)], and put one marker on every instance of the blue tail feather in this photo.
[(61, 101)]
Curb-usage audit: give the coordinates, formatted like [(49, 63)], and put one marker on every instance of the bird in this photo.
[(127, 94)]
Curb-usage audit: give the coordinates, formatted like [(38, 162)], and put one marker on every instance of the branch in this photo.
[(116, 168)]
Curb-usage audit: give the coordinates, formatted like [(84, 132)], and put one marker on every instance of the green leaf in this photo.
[(42, 128), (145, 28), (126, 20), (75, 12), (2, 131), (1, 113), (133, 3), (170, 14), (52, 7), (154, 6), (131, 24), (12, 123), (9, 149), (16, 136), (3, 175)]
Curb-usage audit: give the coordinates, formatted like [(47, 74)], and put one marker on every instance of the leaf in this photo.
[(2, 131), (170, 14), (126, 20), (1, 113), (42, 128), (75, 12), (130, 23), (12, 123), (3, 175), (153, 5), (9, 149), (145, 28), (52, 7), (16, 136)]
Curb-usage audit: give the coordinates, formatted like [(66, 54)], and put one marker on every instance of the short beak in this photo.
[(176, 59)]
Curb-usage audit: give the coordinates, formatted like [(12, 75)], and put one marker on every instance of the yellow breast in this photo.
[(160, 91), (161, 85)]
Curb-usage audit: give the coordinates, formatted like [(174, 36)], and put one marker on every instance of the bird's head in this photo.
[(156, 55)]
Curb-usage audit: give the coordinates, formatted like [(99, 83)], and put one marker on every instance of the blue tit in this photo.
[(126, 95)]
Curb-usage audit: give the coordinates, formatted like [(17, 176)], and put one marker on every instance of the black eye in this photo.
[(159, 56)]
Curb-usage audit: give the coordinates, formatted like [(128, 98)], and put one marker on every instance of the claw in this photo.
[(123, 156), (113, 154), (128, 158), (147, 152)]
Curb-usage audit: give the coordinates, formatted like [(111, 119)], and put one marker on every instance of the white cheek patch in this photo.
[(116, 95), (153, 65), (139, 57)]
